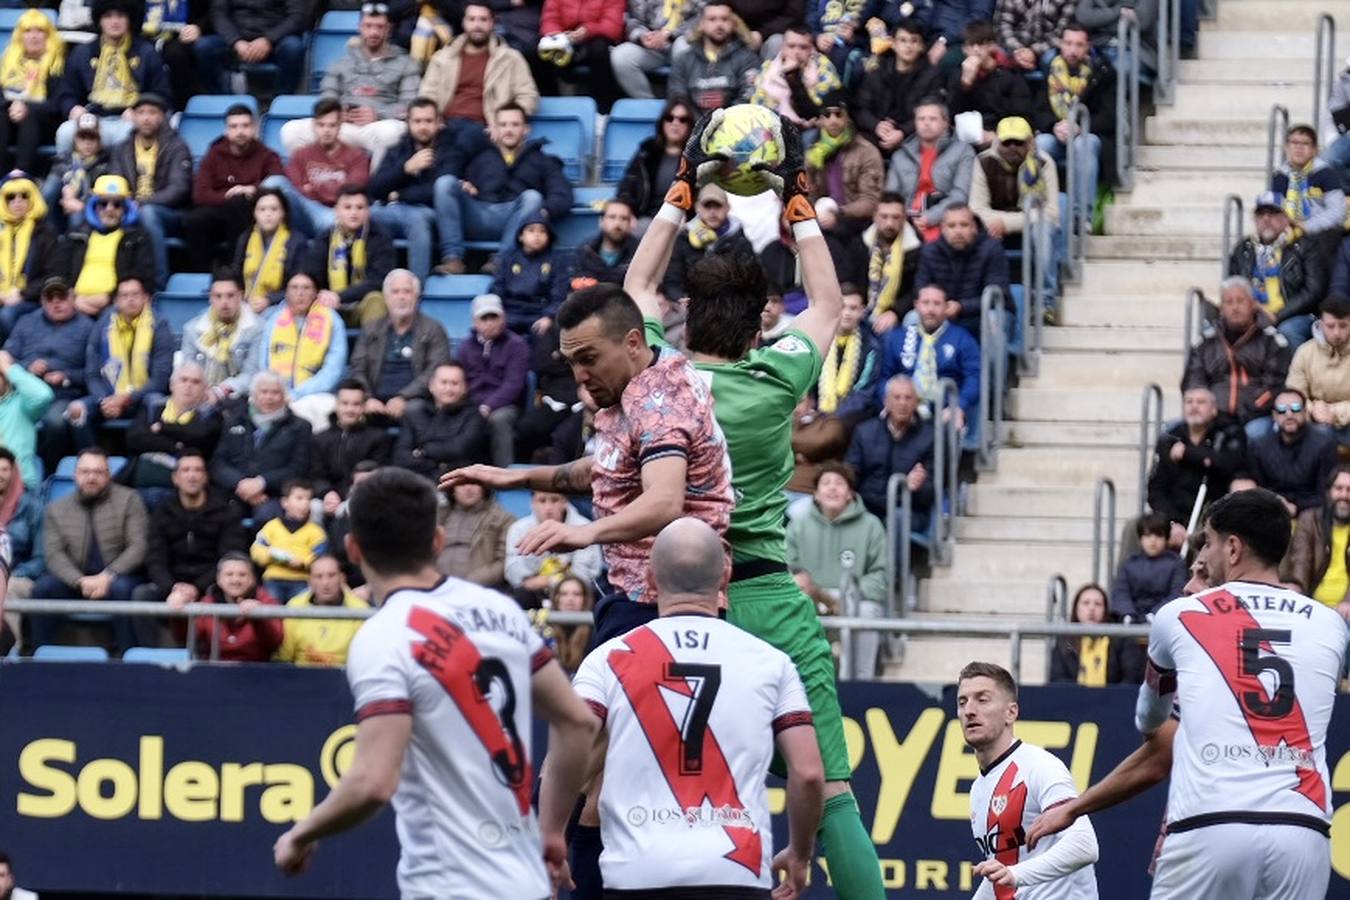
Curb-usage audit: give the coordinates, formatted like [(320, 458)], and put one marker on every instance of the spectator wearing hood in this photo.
[(893, 83), (712, 231), (73, 173), (1288, 276), (108, 74), (252, 32), (109, 247), (652, 168), (504, 182), (30, 75), (983, 84), (27, 248), (374, 81), (225, 186), (931, 169), (719, 69), (404, 185), (157, 163), (475, 528), (963, 262), (24, 399), (533, 278), (846, 171), (795, 81), (129, 357), (495, 361), (446, 433)]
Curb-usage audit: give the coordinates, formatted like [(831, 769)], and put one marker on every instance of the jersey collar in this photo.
[(1002, 756)]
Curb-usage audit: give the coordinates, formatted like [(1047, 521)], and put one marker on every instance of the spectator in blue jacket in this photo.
[(51, 345), (404, 186), (503, 183), (92, 81), (964, 261), (129, 357), (1294, 461), (532, 278), (495, 361), (898, 440), (1151, 577), (932, 349)]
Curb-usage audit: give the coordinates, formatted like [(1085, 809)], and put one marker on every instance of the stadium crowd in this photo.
[(214, 456)]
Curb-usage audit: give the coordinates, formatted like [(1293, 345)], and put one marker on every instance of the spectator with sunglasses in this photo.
[(108, 248), (1294, 461), (652, 168), (846, 171)]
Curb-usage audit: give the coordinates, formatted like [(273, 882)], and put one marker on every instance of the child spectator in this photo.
[(74, 172), (532, 278), (287, 545), (1149, 578), (238, 639)]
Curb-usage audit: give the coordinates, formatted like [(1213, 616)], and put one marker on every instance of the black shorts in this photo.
[(616, 615)]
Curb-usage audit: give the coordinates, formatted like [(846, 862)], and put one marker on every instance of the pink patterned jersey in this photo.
[(667, 410)]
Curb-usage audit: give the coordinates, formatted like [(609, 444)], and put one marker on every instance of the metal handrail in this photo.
[(1233, 219), (1169, 52), (993, 376), (1078, 226), (1275, 138), (1150, 423), (1056, 609), (1324, 68), (1031, 317), (1193, 322), (946, 462), (1105, 493), (1127, 100), (898, 493), (958, 626)]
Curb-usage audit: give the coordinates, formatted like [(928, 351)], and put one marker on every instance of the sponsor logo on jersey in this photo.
[(791, 344)]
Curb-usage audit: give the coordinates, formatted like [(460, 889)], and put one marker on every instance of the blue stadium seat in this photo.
[(453, 315), (188, 283), (569, 125), (65, 468), (216, 104), (348, 20), (9, 17), (199, 132), (165, 656), (631, 121), (330, 41), (284, 109), (455, 287), (581, 224), (516, 502), (65, 653), (591, 197), (177, 309)]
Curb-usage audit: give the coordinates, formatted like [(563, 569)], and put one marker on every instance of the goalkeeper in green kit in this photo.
[(755, 391)]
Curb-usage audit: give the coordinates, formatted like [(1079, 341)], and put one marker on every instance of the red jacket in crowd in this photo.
[(600, 18), (222, 170), (240, 640)]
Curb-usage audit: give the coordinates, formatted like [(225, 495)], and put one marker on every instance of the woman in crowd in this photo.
[(30, 69), (653, 166), (268, 251), (27, 248), (569, 642), (1093, 661)]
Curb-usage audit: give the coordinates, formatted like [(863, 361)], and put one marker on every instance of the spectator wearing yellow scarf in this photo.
[(130, 354), (351, 260), (27, 248), (30, 69), (267, 251), (304, 342)]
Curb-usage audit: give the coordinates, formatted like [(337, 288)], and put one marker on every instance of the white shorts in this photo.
[(1238, 861)]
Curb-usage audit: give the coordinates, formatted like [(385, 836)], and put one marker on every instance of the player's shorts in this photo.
[(1242, 861), (774, 609), (701, 892), (616, 615)]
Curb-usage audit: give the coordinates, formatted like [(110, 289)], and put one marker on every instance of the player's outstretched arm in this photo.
[(1138, 772), (365, 788), (643, 280), (805, 799), (660, 503), (572, 729), (568, 478), (821, 318)]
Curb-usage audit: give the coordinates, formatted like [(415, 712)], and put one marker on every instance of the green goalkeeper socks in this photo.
[(855, 873)]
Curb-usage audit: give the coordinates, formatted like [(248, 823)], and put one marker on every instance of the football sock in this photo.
[(855, 872), (585, 863)]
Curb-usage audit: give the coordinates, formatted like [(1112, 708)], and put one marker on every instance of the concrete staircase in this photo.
[(1120, 329)]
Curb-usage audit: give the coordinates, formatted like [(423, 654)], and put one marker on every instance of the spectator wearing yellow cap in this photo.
[(109, 247)]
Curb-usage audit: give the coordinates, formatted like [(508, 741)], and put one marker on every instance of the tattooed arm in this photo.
[(569, 478)]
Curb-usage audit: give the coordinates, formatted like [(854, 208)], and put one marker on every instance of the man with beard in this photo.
[(963, 262), (478, 73), (892, 247), (1288, 275), (1295, 460), (1317, 556), (719, 70), (1204, 448)]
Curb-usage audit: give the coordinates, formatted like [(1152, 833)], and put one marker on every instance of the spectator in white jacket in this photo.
[(532, 578)]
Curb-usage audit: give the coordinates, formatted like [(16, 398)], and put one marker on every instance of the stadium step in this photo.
[(1064, 501), (1239, 100), (1023, 529), (1243, 71), (1153, 188), (1267, 16), (1018, 465), (1053, 436), (941, 658), (1095, 338), (1131, 309), (1110, 277), (1153, 246), (1281, 45), (1183, 220), (1181, 158), (991, 559), (1107, 369), (1248, 130), (1011, 596), (1095, 404)]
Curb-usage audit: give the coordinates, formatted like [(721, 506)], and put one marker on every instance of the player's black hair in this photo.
[(799, 28), (230, 275), (891, 197), (727, 293), (1258, 518), (911, 25), (1302, 398), (1000, 676), (238, 556), (353, 190), (1074, 25), (1155, 524), (188, 453), (423, 103), (610, 303), (239, 109), (1337, 306), (393, 519), (511, 106)]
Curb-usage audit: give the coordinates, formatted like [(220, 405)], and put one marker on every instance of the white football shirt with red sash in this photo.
[(692, 705), (457, 658), (1255, 667), (1007, 797)]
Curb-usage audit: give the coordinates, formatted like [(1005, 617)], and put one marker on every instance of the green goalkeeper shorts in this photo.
[(773, 609)]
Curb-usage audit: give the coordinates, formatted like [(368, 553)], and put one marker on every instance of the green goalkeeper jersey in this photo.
[(753, 401)]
